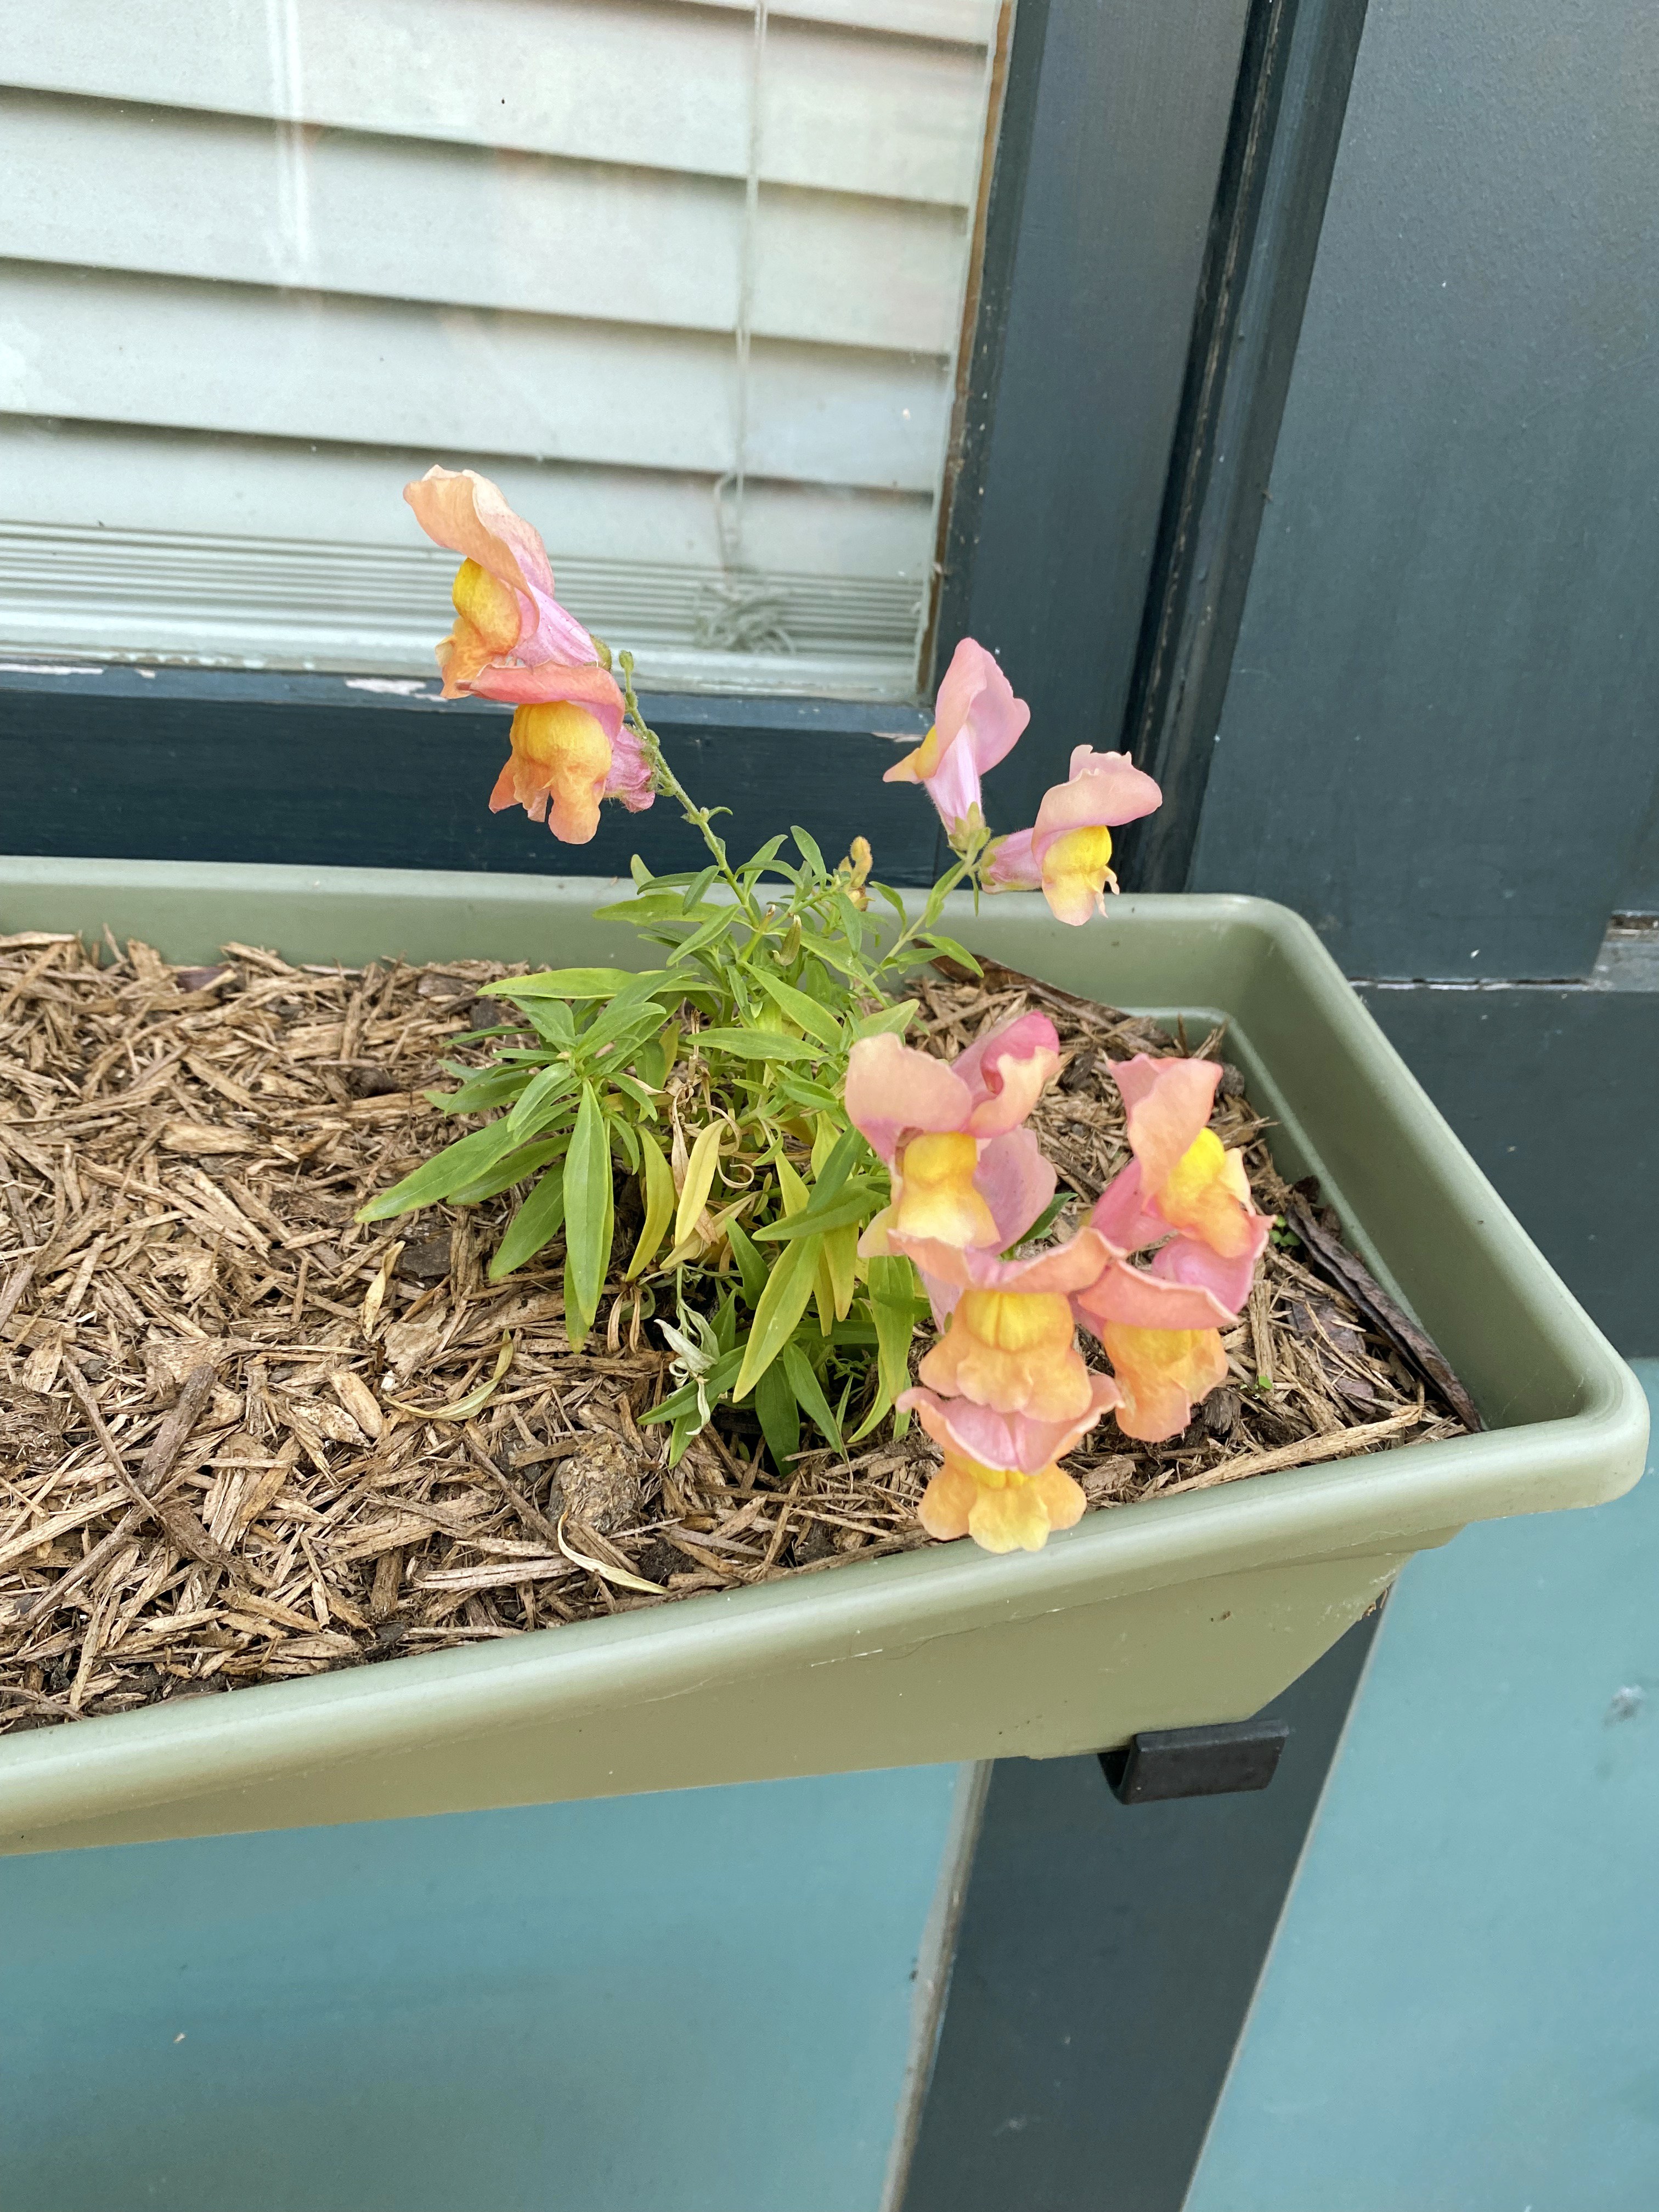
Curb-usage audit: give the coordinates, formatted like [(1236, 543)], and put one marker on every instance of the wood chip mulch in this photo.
[(223, 1453)]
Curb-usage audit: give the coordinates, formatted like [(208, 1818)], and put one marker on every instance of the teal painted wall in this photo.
[(694, 2002), (1461, 2011)]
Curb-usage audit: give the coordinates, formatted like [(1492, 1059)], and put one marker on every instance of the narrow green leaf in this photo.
[(564, 984), (588, 1217), (845, 1211), (782, 1303), (891, 1021), (952, 950), (809, 1392), (809, 849), (816, 1020), (438, 1178), (751, 1268), (544, 1097), (779, 1415), (758, 1044), (684, 1400), (534, 1227), (892, 1307), (513, 1169)]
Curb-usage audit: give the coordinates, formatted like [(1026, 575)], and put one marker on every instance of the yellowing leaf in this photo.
[(795, 1192), (659, 1203), (475, 1399), (841, 1255), (699, 1179), (619, 1575)]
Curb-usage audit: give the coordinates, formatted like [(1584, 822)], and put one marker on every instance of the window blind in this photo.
[(687, 279)]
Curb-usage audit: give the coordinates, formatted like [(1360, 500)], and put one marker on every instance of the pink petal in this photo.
[(1065, 1268), (891, 1088), (1167, 1103), (976, 702), (1104, 790), (1014, 866), (1121, 1217), (630, 777), (954, 787), (1006, 1071), (1016, 1182), (1006, 1440), (1186, 1260), (1135, 1299), (592, 687)]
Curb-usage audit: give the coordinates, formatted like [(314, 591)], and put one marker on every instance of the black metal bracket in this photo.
[(1218, 1762)]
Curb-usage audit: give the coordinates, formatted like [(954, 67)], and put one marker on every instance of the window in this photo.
[(688, 279)]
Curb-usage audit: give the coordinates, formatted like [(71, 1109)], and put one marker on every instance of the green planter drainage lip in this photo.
[(1166, 1614)]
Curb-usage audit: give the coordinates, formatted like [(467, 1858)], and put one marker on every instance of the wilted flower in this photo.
[(977, 722), (513, 641), (1068, 855)]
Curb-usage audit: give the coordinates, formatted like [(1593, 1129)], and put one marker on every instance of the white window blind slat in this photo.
[(462, 227), (689, 283), (664, 86)]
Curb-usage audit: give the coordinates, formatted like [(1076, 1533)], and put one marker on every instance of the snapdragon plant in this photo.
[(715, 1075)]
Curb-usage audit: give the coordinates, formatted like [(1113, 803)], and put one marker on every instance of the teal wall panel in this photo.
[(694, 2002), (1461, 2011)]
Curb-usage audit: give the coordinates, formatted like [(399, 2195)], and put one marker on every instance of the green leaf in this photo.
[(846, 1211), (722, 925), (892, 1284), (438, 1178), (891, 1021), (513, 1169), (782, 1303), (809, 1392), (588, 1217), (535, 1225), (1044, 1222), (816, 1020), (758, 1044), (696, 887), (684, 1400), (564, 984), (491, 1086), (779, 1415), (544, 1097), (659, 1203), (952, 950), (809, 849), (751, 1268)]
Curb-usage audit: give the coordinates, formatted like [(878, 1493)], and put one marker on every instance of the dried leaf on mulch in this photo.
[(242, 1440)]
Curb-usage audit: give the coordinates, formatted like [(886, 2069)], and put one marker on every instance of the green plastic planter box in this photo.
[(1193, 1608)]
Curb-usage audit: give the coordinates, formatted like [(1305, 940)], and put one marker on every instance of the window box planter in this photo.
[(1193, 1608)]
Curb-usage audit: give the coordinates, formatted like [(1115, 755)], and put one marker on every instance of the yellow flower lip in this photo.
[(1015, 1350), (937, 1198)]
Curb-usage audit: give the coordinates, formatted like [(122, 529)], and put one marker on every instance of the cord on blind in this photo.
[(687, 279)]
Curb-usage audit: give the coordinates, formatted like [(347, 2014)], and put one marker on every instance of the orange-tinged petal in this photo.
[(1166, 1103), (947, 1502), (1062, 1499), (560, 761), (1012, 1518), (1013, 1349), (935, 1194), (1162, 1372)]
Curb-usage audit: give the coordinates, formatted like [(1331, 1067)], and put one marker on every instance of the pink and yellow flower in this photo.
[(513, 641), (1185, 1193), (1000, 1484), (977, 722), (965, 1175), (1068, 855)]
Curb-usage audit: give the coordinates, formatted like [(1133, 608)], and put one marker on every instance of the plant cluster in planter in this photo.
[(281, 1392)]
